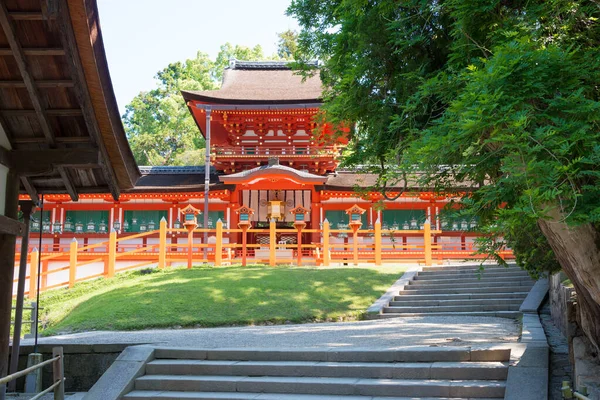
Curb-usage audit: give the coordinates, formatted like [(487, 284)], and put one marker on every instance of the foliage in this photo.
[(158, 123), (287, 45), (220, 296), (159, 126), (497, 97)]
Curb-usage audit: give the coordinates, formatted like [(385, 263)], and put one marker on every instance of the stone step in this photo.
[(323, 386), (463, 290), (174, 395), (452, 296), (474, 284), (399, 354), (486, 275), (399, 301), (462, 268), (497, 314), (465, 308), (425, 370), (471, 278)]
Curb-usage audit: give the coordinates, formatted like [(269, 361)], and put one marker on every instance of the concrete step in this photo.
[(452, 296), (463, 268), (474, 284), (323, 386), (400, 354), (469, 279), (487, 275), (412, 290), (424, 370), (497, 314), (465, 308), (399, 301), (173, 395)]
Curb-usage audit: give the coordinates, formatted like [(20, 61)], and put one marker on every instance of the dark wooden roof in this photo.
[(261, 82), (59, 119)]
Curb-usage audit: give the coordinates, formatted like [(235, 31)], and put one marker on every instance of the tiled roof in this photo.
[(167, 170), (239, 64)]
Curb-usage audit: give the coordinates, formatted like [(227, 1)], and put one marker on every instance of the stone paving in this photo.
[(560, 365), (430, 330)]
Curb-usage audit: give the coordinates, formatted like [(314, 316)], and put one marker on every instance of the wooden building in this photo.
[(265, 146)]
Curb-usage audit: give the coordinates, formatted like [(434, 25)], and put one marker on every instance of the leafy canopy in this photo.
[(470, 92)]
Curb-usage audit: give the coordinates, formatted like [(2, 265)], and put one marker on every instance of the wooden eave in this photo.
[(58, 112), (206, 99)]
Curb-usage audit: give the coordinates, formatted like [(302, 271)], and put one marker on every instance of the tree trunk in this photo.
[(577, 249)]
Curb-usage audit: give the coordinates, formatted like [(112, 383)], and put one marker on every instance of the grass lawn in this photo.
[(221, 296)]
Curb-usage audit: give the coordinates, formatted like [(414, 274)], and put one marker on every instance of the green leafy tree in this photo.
[(287, 45), (496, 98), (158, 124)]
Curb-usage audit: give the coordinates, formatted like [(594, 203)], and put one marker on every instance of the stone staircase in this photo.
[(459, 290), (344, 374)]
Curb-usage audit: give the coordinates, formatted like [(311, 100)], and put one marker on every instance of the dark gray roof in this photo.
[(271, 65), (167, 170), (177, 179)]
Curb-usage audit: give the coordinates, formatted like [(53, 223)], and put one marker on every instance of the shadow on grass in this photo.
[(228, 296)]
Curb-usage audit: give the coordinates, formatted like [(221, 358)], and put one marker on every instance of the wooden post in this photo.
[(162, 244), (299, 240), (44, 277), (427, 242), (377, 238), (72, 262), (244, 242), (33, 265), (326, 248), (112, 253), (58, 373), (355, 246), (219, 244), (272, 243), (190, 247)]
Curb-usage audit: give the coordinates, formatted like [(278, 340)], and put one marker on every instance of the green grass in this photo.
[(215, 297)]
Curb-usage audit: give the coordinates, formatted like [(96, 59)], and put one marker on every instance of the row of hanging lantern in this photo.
[(413, 225), (463, 225)]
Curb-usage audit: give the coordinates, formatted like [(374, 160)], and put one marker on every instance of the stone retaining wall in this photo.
[(84, 364)]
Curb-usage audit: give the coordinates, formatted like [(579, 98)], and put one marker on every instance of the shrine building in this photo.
[(268, 153)]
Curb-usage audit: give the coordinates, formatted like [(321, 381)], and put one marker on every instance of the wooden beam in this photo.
[(26, 15), (36, 140), (11, 36), (68, 184), (38, 162), (30, 189), (11, 227), (83, 95), (40, 84), (34, 51), (64, 112)]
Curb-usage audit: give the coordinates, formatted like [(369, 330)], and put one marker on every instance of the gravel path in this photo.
[(394, 332)]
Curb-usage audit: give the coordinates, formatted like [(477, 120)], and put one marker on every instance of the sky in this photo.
[(142, 37)]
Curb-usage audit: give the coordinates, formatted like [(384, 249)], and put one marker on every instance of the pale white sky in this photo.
[(143, 36)]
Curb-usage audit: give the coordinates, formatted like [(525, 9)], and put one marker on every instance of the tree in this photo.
[(159, 127), (500, 97), (287, 45)]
